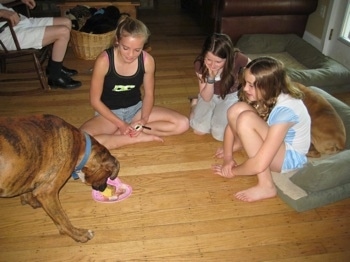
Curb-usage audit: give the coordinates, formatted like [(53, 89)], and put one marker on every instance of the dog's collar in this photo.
[(86, 154)]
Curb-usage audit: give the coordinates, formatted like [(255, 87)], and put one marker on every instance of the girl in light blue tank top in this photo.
[(272, 125)]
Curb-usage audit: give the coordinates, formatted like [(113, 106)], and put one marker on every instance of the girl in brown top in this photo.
[(217, 68)]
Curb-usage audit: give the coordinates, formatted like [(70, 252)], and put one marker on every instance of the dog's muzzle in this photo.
[(100, 188)]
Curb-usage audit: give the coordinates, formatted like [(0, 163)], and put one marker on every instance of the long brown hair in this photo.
[(271, 79), (221, 46)]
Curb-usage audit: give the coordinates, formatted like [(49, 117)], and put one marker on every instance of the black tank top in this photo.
[(122, 91)]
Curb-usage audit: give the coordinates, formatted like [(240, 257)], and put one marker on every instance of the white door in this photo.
[(333, 47)]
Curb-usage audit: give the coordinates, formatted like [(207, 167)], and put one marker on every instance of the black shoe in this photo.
[(68, 72), (64, 82), (65, 71)]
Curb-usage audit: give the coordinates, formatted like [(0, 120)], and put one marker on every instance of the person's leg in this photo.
[(252, 131), (219, 118), (200, 116), (193, 102), (58, 35), (162, 122), (165, 122), (106, 133), (233, 113), (117, 141), (63, 21)]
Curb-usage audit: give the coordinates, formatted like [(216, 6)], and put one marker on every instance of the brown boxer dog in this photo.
[(328, 134), (38, 155)]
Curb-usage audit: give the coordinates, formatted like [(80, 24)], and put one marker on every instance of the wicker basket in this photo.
[(89, 46)]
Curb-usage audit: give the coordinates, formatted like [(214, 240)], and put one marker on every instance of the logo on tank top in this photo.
[(123, 88)]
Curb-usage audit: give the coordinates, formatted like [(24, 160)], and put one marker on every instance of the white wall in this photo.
[(333, 48)]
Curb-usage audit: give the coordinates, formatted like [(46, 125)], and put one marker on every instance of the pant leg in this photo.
[(219, 118), (202, 115)]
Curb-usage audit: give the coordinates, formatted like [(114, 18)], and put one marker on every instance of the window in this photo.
[(345, 31)]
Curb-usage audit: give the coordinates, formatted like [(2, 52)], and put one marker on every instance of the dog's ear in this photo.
[(113, 167), (110, 167)]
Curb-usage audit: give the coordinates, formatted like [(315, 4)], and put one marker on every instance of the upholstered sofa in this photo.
[(323, 180), (238, 17), (307, 65)]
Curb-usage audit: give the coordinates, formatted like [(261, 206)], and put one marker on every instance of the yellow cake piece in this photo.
[(109, 191)]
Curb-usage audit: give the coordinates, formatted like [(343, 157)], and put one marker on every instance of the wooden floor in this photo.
[(179, 210)]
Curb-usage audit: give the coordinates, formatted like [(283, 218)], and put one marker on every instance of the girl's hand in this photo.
[(224, 170), (125, 129), (136, 130), (211, 72)]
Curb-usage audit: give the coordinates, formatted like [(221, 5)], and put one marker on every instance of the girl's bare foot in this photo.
[(219, 153), (142, 137), (194, 101), (256, 193)]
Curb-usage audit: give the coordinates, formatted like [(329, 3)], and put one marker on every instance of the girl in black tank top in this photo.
[(118, 75), (122, 91)]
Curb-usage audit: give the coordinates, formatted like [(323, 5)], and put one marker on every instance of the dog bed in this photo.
[(305, 63), (323, 180)]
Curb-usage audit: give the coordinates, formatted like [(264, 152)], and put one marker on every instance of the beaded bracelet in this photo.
[(210, 80)]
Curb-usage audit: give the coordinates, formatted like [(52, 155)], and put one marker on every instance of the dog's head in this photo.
[(100, 166)]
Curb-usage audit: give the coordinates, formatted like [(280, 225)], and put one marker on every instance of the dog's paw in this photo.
[(313, 152), (84, 236), (78, 234)]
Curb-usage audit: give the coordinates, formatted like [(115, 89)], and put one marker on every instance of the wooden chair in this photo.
[(13, 62)]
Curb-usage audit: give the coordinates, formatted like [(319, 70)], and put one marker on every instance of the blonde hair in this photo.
[(128, 26), (271, 79)]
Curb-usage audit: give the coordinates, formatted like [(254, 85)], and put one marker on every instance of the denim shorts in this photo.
[(128, 113)]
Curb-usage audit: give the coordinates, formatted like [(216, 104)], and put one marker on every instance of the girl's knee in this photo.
[(182, 125), (246, 120), (64, 21), (62, 31), (238, 108)]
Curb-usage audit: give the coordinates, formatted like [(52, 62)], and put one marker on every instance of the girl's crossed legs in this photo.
[(162, 121)]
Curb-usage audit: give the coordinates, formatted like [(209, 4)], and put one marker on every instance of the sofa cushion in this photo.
[(262, 43), (326, 70), (323, 174)]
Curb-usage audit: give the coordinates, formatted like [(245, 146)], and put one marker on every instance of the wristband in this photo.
[(210, 80)]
